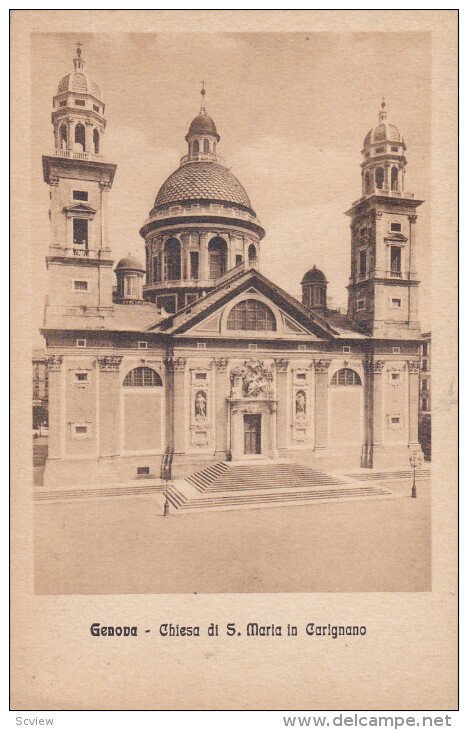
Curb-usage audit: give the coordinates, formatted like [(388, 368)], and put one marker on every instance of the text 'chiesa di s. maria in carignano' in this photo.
[(196, 351)]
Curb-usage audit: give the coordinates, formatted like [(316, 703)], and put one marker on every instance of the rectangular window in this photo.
[(80, 232), (396, 303), (396, 350), (424, 384), (194, 264), (80, 285), (80, 195), (81, 343), (80, 102), (395, 420), (395, 259), (142, 345), (301, 376), (238, 259), (362, 263), (81, 377), (395, 226), (394, 149), (200, 376), (201, 345), (380, 149), (81, 429), (95, 107), (346, 348), (143, 471)]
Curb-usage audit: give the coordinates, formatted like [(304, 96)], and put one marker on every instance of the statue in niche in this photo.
[(200, 405), (300, 404)]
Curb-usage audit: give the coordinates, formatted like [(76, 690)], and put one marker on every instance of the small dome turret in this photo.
[(314, 289), (129, 272)]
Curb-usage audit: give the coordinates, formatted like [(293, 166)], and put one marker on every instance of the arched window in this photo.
[(366, 182), (96, 141), (217, 254), (196, 147), (252, 253), (172, 259), (394, 178), (379, 178), (206, 145), (346, 376), (80, 136), (142, 378), (251, 315), (63, 137)]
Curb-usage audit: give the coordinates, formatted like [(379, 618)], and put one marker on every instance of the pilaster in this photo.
[(221, 395), (109, 414), (179, 364), (56, 395), (282, 365), (321, 403)]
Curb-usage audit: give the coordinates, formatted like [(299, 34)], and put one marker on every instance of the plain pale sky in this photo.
[(292, 110)]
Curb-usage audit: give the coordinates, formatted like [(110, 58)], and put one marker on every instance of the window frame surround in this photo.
[(355, 366), (136, 366), (252, 334), (78, 290)]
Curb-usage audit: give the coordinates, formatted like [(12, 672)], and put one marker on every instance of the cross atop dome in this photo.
[(202, 94), (78, 62)]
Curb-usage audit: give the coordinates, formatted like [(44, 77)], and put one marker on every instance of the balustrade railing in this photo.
[(76, 155)]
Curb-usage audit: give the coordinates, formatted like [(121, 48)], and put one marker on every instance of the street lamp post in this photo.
[(415, 462)]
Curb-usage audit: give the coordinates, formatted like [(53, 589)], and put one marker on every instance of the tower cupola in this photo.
[(384, 163), (78, 113), (130, 273)]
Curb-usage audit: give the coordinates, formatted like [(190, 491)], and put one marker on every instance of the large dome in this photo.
[(207, 181), (79, 83)]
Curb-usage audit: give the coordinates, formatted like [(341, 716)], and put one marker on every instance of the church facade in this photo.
[(195, 351)]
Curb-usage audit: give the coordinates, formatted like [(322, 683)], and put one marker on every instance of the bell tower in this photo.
[(79, 259), (383, 285)]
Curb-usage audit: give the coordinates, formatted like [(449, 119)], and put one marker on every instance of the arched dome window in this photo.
[(80, 136), (63, 137), (217, 255), (379, 178), (142, 378), (252, 253), (251, 315), (206, 145), (172, 259), (346, 376), (96, 141), (394, 178)]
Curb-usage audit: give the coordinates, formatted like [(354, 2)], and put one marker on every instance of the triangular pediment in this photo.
[(209, 314), (80, 208)]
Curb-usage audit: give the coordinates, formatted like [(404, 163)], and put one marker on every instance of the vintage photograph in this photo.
[(232, 312)]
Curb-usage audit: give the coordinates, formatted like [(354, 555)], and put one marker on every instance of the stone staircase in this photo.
[(223, 486)]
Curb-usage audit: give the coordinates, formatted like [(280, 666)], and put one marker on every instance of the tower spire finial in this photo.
[(383, 111), (78, 62), (202, 94)]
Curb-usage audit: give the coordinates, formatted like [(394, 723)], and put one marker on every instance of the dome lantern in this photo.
[(202, 135)]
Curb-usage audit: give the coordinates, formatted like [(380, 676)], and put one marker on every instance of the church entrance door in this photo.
[(252, 433)]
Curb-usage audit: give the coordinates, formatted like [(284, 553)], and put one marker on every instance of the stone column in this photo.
[(220, 410), (56, 396), (321, 403), (70, 134), (179, 405), (204, 263), (89, 147), (413, 402), (282, 425), (109, 414), (375, 369)]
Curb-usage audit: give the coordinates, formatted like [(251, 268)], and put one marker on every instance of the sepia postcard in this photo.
[(234, 386)]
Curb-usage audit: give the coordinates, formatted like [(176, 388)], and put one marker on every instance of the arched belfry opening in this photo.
[(80, 136), (217, 256), (394, 178), (63, 137), (96, 141), (379, 178), (252, 254)]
